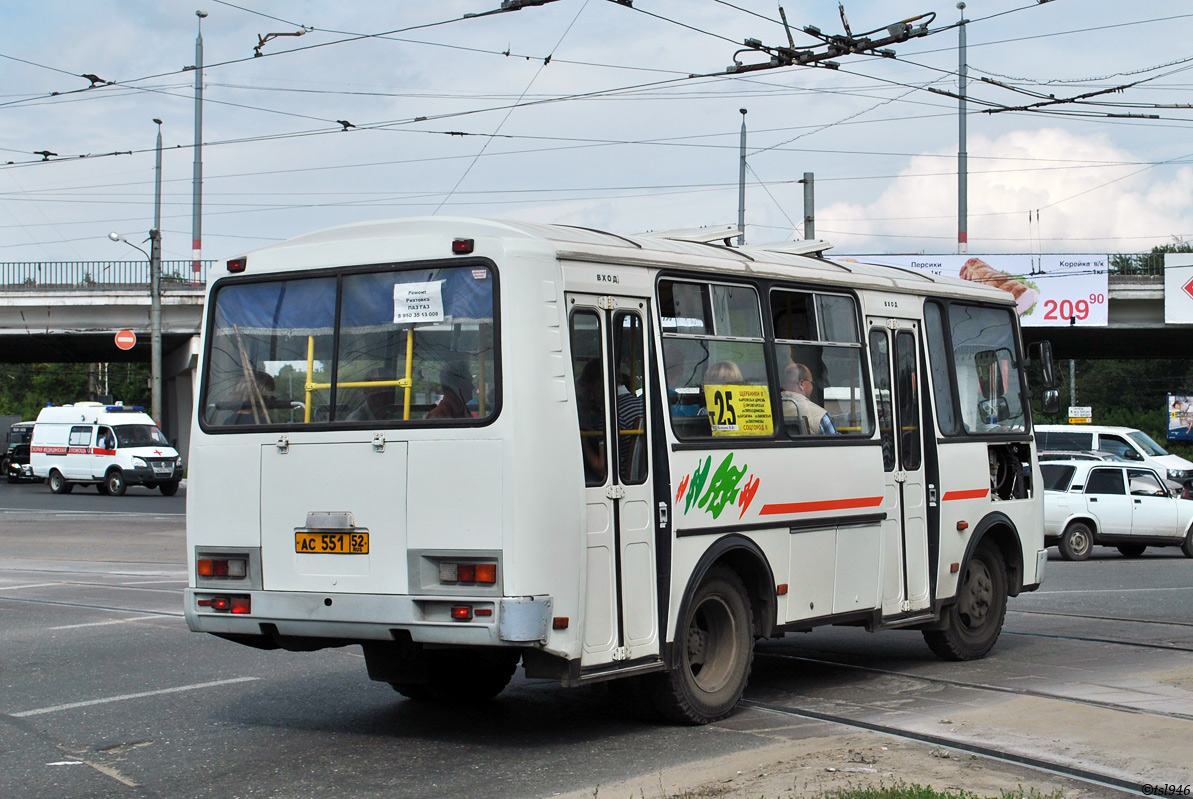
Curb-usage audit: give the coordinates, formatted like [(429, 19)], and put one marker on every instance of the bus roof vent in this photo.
[(699, 235), (799, 247)]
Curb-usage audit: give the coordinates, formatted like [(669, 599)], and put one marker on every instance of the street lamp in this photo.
[(155, 286), (155, 318)]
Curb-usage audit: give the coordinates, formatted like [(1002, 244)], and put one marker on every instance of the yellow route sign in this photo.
[(739, 410)]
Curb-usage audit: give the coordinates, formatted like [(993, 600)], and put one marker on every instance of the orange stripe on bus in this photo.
[(973, 493), (819, 505)]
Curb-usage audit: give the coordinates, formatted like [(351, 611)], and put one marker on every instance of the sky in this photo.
[(607, 114)]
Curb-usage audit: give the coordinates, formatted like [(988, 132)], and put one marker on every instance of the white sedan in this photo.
[(1112, 504)]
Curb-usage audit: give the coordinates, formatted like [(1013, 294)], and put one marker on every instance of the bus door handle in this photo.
[(283, 444), (662, 515), (931, 496)]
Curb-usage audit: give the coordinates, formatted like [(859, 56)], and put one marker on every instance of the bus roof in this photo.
[(695, 252)]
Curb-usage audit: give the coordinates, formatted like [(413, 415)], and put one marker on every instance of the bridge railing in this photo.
[(98, 274)]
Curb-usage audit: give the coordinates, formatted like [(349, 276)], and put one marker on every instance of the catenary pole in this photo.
[(741, 185), (197, 183), (962, 155)]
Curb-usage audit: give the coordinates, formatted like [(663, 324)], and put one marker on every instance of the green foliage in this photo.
[(1127, 394), (1147, 263), (26, 388)]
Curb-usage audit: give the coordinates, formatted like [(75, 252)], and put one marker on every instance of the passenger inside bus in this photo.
[(455, 380), (252, 395), (590, 406), (378, 400), (802, 415)]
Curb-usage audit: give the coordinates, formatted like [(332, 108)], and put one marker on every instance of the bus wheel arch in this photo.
[(1001, 532)]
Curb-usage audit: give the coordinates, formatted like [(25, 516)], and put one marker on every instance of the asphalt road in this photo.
[(107, 694)]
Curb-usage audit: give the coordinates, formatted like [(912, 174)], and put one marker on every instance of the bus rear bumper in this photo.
[(304, 617)]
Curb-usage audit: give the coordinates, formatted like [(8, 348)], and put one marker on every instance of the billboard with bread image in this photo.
[(1049, 290)]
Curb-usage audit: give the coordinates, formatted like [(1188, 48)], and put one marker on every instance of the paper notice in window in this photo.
[(418, 302)]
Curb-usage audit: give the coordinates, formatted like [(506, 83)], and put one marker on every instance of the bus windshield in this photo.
[(384, 346)]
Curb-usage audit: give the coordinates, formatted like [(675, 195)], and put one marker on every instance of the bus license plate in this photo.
[(331, 543)]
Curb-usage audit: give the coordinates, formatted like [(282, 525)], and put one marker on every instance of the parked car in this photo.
[(1126, 442), (16, 464), (1108, 503), (1175, 487)]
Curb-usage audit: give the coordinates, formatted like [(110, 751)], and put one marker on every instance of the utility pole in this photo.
[(809, 182), (197, 183), (962, 155), (741, 185), (155, 289)]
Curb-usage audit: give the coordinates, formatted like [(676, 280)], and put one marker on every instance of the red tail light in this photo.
[(462, 612)]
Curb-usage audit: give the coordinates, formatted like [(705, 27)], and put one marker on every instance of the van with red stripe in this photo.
[(108, 446)]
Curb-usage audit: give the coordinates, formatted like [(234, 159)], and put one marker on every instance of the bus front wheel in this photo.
[(716, 651), (972, 623)]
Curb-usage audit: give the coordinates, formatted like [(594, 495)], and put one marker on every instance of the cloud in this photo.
[(1090, 195)]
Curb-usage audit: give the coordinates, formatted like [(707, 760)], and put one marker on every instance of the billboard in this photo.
[(1180, 417), (1049, 290), (1178, 288)]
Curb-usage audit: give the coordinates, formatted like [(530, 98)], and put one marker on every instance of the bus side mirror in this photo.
[(1051, 400), (1039, 354)]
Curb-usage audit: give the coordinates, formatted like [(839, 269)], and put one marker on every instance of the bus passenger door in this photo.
[(894, 354), (608, 346)]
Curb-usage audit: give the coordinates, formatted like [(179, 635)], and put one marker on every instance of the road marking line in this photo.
[(27, 585), (156, 515), (113, 621), (43, 710), (1115, 590)]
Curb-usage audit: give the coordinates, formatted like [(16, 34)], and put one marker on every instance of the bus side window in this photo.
[(588, 366)]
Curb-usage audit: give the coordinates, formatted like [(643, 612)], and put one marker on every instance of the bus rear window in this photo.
[(383, 347)]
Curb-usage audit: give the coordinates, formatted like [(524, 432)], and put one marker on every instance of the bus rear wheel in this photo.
[(716, 651), (972, 623), (462, 676), (58, 484)]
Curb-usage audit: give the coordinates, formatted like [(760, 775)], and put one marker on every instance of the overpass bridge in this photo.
[(69, 313)]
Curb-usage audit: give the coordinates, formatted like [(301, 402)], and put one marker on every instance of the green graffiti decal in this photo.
[(698, 478), (722, 490)]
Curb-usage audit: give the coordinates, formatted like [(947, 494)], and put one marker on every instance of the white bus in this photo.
[(465, 444)]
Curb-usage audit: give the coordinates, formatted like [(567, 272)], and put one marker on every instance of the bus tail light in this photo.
[(452, 572), (236, 568), (239, 605), (461, 612)]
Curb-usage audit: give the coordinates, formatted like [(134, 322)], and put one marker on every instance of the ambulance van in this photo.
[(108, 446)]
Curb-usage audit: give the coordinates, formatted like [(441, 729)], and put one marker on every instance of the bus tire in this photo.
[(972, 623), (102, 487), (1132, 550), (1076, 542), (58, 484), (1187, 544), (715, 643), (169, 489), (114, 480), (463, 676)]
